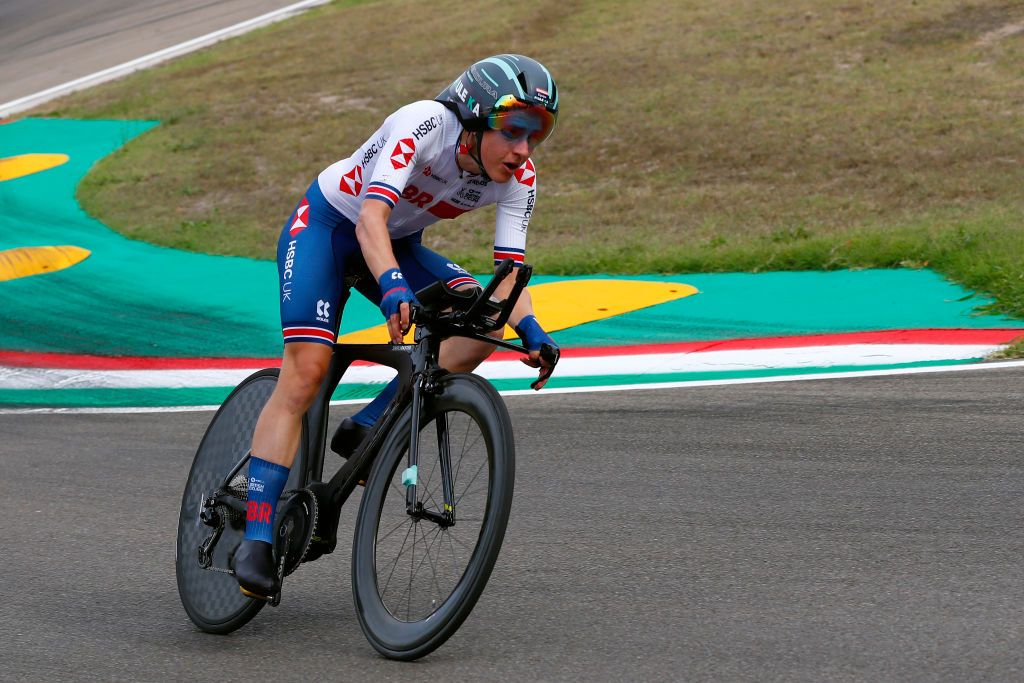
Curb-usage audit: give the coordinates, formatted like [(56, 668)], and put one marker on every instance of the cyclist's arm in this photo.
[(514, 211), (523, 307), (374, 240), (375, 244)]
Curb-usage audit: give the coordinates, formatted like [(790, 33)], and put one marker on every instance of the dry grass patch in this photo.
[(695, 136)]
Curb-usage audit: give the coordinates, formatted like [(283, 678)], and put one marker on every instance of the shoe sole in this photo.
[(256, 596)]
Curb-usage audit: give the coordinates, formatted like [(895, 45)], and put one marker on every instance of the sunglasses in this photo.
[(517, 120)]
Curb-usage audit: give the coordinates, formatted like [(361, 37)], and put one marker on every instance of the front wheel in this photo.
[(416, 574)]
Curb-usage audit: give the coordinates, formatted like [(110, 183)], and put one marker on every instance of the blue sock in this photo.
[(369, 415), (266, 482)]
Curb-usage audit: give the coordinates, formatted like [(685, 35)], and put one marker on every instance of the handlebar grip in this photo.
[(550, 354)]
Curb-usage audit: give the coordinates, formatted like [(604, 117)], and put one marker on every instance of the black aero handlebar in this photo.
[(471, 312)]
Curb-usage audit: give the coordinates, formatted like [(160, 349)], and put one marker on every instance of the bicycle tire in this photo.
[(212, 599), (462, 397)]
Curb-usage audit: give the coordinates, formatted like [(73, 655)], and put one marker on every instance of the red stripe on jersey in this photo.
[(383, 191), (445, 210), (502, 255)]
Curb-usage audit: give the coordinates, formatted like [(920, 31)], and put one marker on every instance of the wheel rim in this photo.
[(419, 564)]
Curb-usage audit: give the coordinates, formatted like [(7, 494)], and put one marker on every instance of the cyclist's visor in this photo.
[(517, 120)]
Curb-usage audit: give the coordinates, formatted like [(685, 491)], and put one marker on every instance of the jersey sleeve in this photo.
[(414, 137), (513, 215)]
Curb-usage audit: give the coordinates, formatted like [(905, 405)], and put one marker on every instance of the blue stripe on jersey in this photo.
[(381, 198), (385, 186)]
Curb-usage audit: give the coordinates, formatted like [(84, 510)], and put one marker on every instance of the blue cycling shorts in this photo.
[(318, 260)]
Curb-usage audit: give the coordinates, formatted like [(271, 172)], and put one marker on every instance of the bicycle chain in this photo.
[(239, 491), (314, 516)]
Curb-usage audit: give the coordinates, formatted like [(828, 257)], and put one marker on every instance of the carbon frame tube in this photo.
[(393, 356)]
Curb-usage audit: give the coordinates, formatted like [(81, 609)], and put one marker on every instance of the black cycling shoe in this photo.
[(256, 571), (347, 437)]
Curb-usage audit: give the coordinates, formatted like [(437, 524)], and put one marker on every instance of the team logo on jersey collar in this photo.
[(301, 218), (352, 182), (403, 152), (526, 174)]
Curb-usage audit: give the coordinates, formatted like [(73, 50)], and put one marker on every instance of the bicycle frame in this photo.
[(417, 369)]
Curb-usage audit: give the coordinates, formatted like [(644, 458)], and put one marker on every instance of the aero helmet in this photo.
[(505, 93)]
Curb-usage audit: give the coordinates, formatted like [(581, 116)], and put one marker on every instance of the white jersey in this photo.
[(410, 164)]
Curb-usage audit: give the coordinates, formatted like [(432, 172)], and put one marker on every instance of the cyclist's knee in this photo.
[(464, 355), (302, 371)]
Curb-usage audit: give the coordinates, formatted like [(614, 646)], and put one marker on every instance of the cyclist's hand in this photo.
[(544, 352), (394, 303)]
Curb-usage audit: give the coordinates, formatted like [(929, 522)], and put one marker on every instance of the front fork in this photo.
[(425, 382)]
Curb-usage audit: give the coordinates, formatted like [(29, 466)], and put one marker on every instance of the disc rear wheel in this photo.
[(210, 595)]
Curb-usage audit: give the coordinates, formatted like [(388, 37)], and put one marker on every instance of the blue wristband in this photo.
[(532, 334), (394, 292)]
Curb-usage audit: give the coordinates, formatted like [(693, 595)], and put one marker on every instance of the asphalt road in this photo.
[(44, 43), (863, 529)]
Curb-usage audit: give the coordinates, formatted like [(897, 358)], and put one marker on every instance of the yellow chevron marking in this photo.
[(565, 304), (27, 164), (26, 261)]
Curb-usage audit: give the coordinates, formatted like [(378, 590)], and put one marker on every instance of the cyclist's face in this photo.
[(502, 155)]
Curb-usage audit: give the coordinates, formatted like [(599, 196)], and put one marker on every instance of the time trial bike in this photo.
[(438, 470)]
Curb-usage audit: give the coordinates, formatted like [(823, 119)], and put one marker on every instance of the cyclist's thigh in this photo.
[(422, 266), (315, 243)]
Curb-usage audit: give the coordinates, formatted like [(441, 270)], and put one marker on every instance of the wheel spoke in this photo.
[(478, 471), (393, 530), (414, 568), (397, 558)]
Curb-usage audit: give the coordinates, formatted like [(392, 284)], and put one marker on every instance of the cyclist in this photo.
[(360, 224)]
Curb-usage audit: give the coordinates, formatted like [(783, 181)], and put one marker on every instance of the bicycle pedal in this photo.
[(272, 600)]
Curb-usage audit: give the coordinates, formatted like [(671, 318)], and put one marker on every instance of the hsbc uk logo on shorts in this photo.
[(287, 273), (402, 154), (301, 218)]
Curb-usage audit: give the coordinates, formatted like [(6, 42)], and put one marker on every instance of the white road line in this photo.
[(23, 103), (19, 378), (998, 365)]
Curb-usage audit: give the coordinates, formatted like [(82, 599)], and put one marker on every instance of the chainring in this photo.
[(293, 531)]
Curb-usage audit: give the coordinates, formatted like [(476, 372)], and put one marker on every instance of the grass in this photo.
[(735, 135)]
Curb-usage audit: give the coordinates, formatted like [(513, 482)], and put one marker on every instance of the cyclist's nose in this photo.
[(522, 148)]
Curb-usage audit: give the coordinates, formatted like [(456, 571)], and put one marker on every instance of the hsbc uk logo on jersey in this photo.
[(526, 174), (403, 152), (352, 182)]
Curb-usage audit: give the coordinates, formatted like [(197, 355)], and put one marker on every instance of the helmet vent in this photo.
[(522, 81)]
